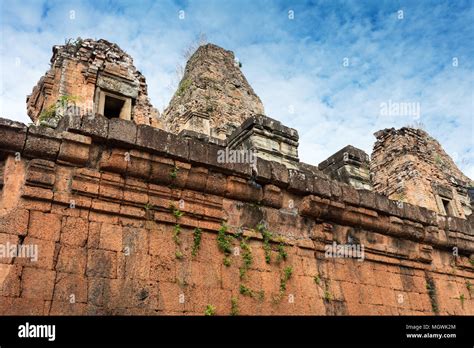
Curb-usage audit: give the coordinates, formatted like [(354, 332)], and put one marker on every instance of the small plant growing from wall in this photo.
[(224, 244), (226, 261), (266, 235), (176, 233), (197, 234), (282, 254), (327, 296), (234, 306), (174, 172), (438, 160), (317, 279), (176, 212), (287, 273), (183, 86), (51, 115), (246, 257), (468, 286), (245, 290), (462, 298), (149, 211), (47, 114), (74, 43), (210, 310)]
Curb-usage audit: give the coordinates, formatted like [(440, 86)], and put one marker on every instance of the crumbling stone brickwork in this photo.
[(269, 138), (214, 85), (349, 165), (410, 166), (96, 77), (130, 219)]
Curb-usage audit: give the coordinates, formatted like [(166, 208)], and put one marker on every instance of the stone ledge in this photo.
[(42, 142), (265, 122), (348, 154), (402, 228), (12, 136), (50, 144)]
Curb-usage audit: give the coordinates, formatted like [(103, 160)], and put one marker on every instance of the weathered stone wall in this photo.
[(410, 166), (95, 196)]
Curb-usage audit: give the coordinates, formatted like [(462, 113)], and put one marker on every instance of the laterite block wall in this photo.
[(102, 200)]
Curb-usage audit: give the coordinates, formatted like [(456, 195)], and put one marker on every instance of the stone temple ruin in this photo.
[(213, 97), (99, 77), (101, 172)]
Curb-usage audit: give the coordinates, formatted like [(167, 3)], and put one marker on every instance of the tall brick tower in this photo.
[(213, 96), (410, 166), (94, 77)]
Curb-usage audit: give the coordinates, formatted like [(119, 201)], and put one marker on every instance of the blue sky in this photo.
[(325, 71)]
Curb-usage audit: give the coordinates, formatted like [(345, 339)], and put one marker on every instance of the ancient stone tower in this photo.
[(213, 97), (89, 77), (410, 166)]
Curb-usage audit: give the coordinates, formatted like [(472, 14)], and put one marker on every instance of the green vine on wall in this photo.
[(266, 235), (234, 306), (177, 232), (176, 212), (282, 254), (197, 234), (244, 290), (287, 273), (327, 296), (224, 243), (462, 298), (246, 257), (317, 279)]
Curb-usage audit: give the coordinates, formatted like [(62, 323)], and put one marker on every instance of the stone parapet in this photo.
[(349, 165), (272, 140)]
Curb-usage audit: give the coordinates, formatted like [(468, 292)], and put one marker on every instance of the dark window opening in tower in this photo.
[(113, 107), (447, 207)]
